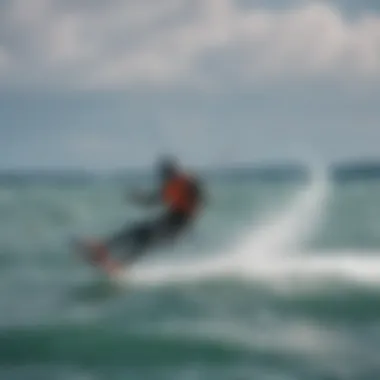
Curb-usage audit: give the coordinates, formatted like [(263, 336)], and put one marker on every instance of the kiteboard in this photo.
[(97, 255)]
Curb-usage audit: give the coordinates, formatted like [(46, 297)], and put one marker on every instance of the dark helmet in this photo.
[(167, 167)]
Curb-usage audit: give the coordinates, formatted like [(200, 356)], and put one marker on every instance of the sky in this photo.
[(108, 84)]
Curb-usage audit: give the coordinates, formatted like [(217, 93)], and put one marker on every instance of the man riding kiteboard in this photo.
[(181, 196)]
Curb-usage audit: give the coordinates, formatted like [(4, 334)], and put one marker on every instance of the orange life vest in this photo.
[(179, 195)]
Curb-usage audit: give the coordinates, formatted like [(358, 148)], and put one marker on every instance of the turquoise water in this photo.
[(278, 280)]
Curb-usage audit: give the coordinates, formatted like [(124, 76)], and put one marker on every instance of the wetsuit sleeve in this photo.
[(198, 192), (147, 199)]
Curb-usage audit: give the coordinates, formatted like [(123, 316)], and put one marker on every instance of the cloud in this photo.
[(214, 43)]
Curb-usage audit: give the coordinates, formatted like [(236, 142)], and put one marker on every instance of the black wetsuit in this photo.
[(134, 241), (137, 239)]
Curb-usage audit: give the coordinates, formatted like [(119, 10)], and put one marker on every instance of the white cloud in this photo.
[(183, 42)]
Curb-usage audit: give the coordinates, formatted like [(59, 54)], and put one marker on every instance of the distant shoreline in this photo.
[(349, 171)]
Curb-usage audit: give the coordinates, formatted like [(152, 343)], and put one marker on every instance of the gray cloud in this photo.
[(215, 44), (346, 7)]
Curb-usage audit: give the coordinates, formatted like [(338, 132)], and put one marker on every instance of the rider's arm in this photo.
[(146, 199), (199, 191)]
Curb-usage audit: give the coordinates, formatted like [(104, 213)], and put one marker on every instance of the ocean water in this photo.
[(278, 280)]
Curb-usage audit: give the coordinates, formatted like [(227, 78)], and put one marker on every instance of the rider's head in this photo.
[(167, 168)]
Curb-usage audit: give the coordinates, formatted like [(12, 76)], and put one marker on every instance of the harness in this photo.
[(180, 194)]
